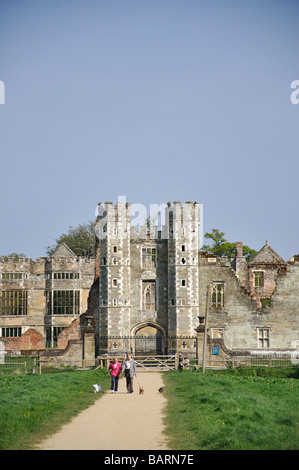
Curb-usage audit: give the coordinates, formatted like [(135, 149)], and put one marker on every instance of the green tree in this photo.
[(80, 239), (221, 247), (16, 256)]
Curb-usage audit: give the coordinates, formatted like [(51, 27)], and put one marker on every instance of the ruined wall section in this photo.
[(283, 315), (36, 281), (29, 277), (240, 318), (237, 317), (83, 273)]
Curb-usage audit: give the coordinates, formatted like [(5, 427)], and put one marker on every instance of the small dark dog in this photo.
[(161, 390), (141, 391)]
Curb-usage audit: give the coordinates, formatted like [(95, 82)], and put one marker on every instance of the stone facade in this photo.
[(149, 290), (158, 284), (41, 301), (148, 280)]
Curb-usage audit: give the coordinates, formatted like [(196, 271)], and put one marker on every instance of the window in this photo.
[(217, 298), (52, 336), (114, 282), (263, 335), (114, 261), (12, 332), (172, 302), (183, 282), (114, 249), (13, 302), (149, 257), (64, 302), (114, 302), (217, 333), (104, 261), (63, 276), (258, 278), (183, 247), (183, 260), (9, 276), (150, 297)]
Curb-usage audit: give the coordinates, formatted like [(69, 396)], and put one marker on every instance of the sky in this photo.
[(158, 100)]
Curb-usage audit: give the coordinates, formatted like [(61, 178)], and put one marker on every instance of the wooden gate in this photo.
[(157, 362)]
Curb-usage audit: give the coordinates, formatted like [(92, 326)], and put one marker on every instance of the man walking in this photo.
[(129, 367)]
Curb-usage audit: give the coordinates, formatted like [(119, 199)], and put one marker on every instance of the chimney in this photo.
[(239, 249)]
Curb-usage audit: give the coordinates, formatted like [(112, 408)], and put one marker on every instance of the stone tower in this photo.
[(113, 229), (148, 279), (183, 246)]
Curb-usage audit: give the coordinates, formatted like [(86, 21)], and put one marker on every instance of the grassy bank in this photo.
[(34, 406), (237, 410)]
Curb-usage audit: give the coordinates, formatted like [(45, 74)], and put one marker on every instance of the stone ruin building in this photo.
[(149, 291)]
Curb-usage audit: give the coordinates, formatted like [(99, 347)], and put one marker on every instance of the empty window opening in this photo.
[(13, 302), (258, 279), (217, 295)]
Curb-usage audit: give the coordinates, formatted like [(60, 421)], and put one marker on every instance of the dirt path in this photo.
[(118, 421)]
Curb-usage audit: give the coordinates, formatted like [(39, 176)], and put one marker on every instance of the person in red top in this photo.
[(114, 370)]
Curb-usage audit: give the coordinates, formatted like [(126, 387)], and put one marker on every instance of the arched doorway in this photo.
[(149, 339)]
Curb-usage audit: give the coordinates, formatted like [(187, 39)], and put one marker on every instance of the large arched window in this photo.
[(217, 294)]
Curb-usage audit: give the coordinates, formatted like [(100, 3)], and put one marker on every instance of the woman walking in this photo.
[(114, 370), (129, 367)]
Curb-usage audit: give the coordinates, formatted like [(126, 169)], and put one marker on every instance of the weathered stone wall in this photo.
[(31, 340), (34, 282), (38, 280), (113, 290), (71, 355), (283, 315), (183, 246), (240, 317)]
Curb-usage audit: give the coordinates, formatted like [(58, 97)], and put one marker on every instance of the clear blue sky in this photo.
[(158, 100)]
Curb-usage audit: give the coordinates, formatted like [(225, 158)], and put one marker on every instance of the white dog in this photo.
[(97, 388)]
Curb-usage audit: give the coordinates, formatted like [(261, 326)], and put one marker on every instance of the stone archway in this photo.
[(149, 338)]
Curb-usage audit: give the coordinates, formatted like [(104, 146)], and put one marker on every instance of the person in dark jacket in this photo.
[(129, 368)]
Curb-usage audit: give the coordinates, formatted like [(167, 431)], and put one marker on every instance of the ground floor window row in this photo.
[(51, 333)]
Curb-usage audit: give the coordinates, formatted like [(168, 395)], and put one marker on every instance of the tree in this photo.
[(221, 247), (80, 239), (16, 256)]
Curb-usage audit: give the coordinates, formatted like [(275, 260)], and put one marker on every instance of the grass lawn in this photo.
[(233, 410), (34, 406)]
